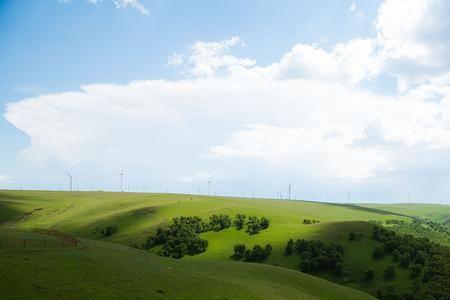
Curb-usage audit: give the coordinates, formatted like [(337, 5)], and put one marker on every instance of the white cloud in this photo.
[(5, 179), (414, 37), (359, 13), (31, 89), (302, 117), (120, 4), (135, 4), (349, 62), (196, 177), (177, 127), (211, 58), (175, 60)]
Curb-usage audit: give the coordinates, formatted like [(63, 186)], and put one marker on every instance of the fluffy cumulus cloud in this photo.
[(414, 36), (203, 59), (348, 62), (303, 118)]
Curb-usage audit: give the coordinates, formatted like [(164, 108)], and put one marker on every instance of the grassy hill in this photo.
[(103, 270), (138, 215), (435, 212)]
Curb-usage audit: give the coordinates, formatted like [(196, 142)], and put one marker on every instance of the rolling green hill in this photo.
[(435, 212), (138, 215), (103, 270)]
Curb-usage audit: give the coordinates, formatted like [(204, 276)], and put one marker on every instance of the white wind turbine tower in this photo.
[(209, 181), (121, 180), (70, 179)]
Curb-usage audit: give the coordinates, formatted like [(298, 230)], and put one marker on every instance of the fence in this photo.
[(67, 238), (57, 240)]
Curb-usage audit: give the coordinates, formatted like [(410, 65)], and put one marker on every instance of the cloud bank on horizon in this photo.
[(307, 118)]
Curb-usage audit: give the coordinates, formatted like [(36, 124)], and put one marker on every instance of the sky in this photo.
[(346, 101)]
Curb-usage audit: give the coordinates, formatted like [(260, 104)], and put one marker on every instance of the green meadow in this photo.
[(434, 212), (110, 268)]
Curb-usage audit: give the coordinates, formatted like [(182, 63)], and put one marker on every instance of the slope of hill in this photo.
[(138, 215), (103, 270), (435, 212)]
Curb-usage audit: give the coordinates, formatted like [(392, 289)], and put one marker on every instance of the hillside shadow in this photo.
[(367, 209), (125, 222), (7, 212)]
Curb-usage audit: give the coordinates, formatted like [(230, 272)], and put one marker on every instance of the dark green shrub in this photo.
[(378, 253), (239, 251), (219, 222), (108, 231), (254, 225), (405, 259), (258, 253), (352, 236), (389, 273), (317, 256), (289, 247), (416, 269), (239, 222), (369, 275)]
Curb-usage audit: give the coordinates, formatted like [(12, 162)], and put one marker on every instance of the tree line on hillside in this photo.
[(419, 227), (256, 254), (316, 255), (428, 262), (182, 236)]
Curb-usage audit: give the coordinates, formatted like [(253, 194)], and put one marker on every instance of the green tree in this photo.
[(289, 247), (416, 269), (389, 272), (239, 251), (369, 275), (378, 253)]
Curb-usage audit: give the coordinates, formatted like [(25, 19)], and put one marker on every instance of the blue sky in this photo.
[(315, 60)]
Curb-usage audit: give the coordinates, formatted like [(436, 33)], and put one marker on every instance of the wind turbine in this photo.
[(209, 185), (289, 191), (121, 180), (70, 179)]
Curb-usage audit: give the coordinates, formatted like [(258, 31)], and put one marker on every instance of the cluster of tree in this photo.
[(316, 255), (219, 222), (428, 262), (180, 238), (390, 293), (309, 221), (405, 249), (394, 222), (255, 225), (239, 222), (108, 231), (420, 228), (353, 236), (257, 254), (195, 222), (369, 275), (389, 273), (437, 226)]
